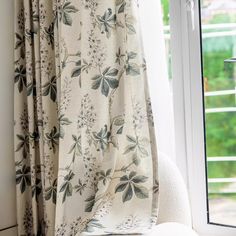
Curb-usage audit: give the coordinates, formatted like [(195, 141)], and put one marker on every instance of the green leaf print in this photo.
[(106, 80), (20, 78), (80, 187), (129, 22), (23, 145), (20, 44), (130, 186), (105, 176), (50, 88), (107, 22), (63, 121), (102, 138), (136, 144), (66, 187), (132, 68), (121, 5), (156, 187), (76, 147), (90, 201), (51, 192), (66, 11), (53, 138), (31, 88), (23, 177), (37, 188), (77, 70)]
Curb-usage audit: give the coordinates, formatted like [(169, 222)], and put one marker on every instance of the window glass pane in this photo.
[(218, 19)]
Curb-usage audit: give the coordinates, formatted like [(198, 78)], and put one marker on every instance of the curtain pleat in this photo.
[(85, 149)]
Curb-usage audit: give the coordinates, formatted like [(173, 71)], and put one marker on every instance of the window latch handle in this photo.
[(231, 60)]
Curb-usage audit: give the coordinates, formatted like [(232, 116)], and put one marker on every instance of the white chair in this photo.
[(174, 209)]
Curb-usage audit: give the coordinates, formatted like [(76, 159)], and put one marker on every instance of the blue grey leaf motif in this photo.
[(105, 176), (130, 185), (107, 79), (136, 144), (36, 188), (23, 144), (156, 187), (119, 122), (51, 192), (31, 88), (50, 88), (63, 121), (121, 5), (76, 147), (131, 67), (23, 177), (20, 78), (20, 46), (80, 187), (65, 13), (77, 70), (102, 138), (49, 32), (90, 201), (129, 22), (53, 138), (107, 22), (66, 187)]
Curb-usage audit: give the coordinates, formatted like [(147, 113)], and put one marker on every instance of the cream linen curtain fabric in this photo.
[(85, 151)]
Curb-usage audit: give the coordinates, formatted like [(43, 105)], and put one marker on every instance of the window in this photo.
[(204, 95), (218, 23)]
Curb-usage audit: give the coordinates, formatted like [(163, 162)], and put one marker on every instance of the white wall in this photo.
[(7, 171)]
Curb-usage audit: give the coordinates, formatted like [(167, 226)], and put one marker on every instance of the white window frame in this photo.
[(189, 115)]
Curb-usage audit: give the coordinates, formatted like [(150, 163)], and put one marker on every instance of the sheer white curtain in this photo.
[(154, 47)]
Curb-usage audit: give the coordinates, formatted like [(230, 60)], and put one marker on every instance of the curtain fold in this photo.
[(85, 150)]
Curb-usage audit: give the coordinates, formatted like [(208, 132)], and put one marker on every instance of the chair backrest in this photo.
[(174, 200)]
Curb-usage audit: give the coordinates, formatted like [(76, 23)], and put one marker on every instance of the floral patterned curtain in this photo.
[(85, 151)]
